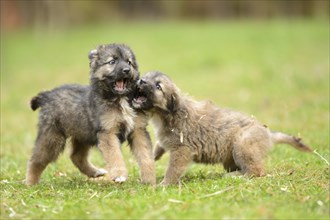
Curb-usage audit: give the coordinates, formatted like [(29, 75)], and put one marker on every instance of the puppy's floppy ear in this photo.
[(173, 103), (92, 56)]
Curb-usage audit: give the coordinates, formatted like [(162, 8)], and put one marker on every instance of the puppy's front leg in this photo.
[(109, 145), (180, 158), (141, 147)]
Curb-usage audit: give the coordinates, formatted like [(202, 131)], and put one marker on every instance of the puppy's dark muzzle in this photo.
[(124, 73), (141, 82), (141, 85)]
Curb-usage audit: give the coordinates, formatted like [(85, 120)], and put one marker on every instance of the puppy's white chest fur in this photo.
[(157, 122), (114, 117), (166, 136), (128, 115)]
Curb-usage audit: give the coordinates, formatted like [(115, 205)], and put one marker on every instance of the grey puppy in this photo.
[(99, 114), (202, 132)]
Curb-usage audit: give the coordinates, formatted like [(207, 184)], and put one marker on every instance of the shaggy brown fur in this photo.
[(99, 114), (204, 133)]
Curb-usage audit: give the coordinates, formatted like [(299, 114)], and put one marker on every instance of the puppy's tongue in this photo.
[(140, 99), (120, 85)]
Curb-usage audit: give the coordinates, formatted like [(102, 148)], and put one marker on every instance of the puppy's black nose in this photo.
[(126, 70), (141, 82)]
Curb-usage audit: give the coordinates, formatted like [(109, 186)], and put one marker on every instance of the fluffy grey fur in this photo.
[(99, 114)]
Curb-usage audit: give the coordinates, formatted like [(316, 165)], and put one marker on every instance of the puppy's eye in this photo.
[(158, 86), (129, 62), (111, 62)]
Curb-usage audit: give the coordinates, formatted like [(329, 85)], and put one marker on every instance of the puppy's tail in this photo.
[(282, 138), (38, 101)]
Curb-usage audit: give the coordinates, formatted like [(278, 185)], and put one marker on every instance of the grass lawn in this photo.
[(278, 71)]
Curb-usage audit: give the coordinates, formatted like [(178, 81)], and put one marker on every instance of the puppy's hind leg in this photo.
[(249, 153), (47, 148), (249, 150), (79, 157)]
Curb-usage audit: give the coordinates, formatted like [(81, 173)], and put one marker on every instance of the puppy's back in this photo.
[(60, 95), (66, 107)]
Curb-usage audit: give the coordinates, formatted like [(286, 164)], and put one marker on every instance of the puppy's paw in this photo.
[(120, 179), (118, 175), (100, 172)]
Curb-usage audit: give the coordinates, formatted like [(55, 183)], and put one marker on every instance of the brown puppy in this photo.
[(99, 114), (204, 133)]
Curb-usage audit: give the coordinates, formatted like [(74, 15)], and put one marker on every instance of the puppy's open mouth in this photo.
[(140, 98), (120, 85)]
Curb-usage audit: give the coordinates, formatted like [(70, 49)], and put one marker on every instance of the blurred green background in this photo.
[(266, 58), (262, 57)]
